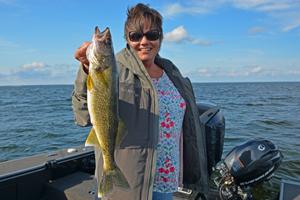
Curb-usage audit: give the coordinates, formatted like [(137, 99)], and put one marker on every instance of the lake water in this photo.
[(39, 119)]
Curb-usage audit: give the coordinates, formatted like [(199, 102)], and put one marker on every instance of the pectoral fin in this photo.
[(92, 139), (89, 82), (122, 131)]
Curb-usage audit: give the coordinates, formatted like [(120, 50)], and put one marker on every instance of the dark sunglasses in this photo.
[(152, 35)]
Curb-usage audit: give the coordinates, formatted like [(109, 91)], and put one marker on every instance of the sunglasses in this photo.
[(152, 35)]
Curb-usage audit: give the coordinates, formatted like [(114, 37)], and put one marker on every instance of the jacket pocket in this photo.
[(134, 111)]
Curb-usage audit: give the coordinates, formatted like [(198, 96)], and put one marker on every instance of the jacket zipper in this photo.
[(151, 160), (152, 147), (204, 144), (203, 135), (205, 154)]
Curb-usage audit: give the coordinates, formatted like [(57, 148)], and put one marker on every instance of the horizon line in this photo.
[(191, 82)]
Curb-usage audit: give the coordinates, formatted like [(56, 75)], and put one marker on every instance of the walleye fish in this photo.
[(108, 130)]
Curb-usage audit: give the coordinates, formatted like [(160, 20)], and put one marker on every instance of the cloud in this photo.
[(288, 28), (240, 74), (293, 72), (221, 41), (209, 43), (29, 69), (2, 75), (63, 64), (235, 72), (293, 23), (8, 2), (42, 74), (178, 35), (174, 9), (203, 70), (34, 64), (39, 73), (289, 19), (204, 43), (273, 72), (256, 29), (63, 74), (274, 7), (208, 6), (251, 66), (39, 68), (285, 12), (256, 69), (206, 72), (189, 72), (263, 5), (30, 73)]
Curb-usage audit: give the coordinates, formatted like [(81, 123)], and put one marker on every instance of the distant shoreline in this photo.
[(192, 83)]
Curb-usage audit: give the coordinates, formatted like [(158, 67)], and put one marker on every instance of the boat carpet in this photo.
[(77, 186), (290, 190)]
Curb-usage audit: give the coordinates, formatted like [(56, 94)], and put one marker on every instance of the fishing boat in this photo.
[(59, 175), (68, 174)]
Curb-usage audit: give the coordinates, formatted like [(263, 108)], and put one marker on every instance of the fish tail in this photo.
[(112, 178), (120, 181), (92, 139)]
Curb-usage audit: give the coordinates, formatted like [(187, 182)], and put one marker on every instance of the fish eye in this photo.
[(108, 41)]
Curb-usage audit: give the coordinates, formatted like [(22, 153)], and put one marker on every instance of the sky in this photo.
[(208, 40)]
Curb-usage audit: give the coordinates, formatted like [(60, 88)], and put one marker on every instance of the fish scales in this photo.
[(108, 130), (107, 122)]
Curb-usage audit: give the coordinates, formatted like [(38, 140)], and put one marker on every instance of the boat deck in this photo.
[(80, 186), (57, 175)]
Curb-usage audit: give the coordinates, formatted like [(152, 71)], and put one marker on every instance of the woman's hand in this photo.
[(80, 55)]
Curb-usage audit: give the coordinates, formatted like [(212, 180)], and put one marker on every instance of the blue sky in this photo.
[(208, 40)]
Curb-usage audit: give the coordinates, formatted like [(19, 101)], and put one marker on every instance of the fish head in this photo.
[(100, 52)]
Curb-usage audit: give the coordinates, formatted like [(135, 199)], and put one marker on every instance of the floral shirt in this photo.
[(171, 110)]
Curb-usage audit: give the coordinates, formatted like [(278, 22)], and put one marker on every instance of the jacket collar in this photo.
[(164, 64)]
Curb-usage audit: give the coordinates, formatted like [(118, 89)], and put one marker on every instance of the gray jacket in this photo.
[(138, 109)]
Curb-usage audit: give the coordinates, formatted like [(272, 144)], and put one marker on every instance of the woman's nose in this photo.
[(144, 40)]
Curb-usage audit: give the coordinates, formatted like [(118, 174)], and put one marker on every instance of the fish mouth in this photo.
[(103, 36)]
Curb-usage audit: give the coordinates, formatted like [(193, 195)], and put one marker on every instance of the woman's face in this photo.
[(146, 49)]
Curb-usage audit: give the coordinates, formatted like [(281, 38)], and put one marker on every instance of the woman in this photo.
[(164, 147)]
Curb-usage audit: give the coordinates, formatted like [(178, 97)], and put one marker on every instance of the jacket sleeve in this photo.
[(79, 100)]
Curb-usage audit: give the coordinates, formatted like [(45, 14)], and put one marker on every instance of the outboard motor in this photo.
[(212, 123), (247, 166)]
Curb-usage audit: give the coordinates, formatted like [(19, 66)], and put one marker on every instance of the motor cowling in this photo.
[(253, 162)]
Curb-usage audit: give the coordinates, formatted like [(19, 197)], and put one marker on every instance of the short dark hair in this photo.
[(140, 14)]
